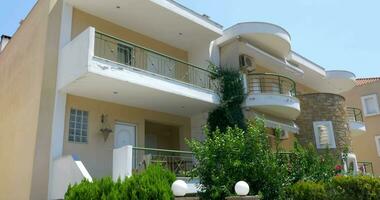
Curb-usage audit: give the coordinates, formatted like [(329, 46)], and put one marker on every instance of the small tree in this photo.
[(224, 159)]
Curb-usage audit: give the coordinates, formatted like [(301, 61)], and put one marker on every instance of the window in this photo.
[(324, 134), (370, 105), (124, 54), (78, 126), (377, 140)]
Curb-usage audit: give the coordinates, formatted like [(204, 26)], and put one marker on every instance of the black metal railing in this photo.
[(179, 162), (270, 83), (366, 168), (133, 55), (354, 114)]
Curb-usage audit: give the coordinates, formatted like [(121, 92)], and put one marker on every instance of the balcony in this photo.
[(103, 67), (355, 121), (132, 55), (272, 94)]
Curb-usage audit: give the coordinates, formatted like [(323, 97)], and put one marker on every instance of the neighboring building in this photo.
[(364, 97), (84, 81), (4, 41)]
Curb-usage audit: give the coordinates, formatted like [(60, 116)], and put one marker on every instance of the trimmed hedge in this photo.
[(354, 187), (152, 184), (307, 190), (339, 188)]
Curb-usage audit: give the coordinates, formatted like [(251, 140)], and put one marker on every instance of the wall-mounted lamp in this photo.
[(105, 127)]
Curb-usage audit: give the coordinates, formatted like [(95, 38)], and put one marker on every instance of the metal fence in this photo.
[(133, 55), (354, 114), (270, 83), (179, 162), (366, 168)]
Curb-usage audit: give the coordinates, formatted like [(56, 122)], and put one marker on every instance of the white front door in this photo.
[(125, 134)]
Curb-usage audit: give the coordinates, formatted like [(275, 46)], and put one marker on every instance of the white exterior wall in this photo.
[(230, 55), (56, 145)]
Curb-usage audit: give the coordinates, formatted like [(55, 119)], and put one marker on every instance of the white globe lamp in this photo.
[(242, 188), (179, 188)]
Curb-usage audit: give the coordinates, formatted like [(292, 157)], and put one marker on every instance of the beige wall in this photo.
[(97, 153), (82, 21), (364, 146), (27, 77)]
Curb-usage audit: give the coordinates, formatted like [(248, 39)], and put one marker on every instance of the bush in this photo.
[(307, 165), (225, 158), (152, 184), (306, 190), (339, 188), (354, 187)]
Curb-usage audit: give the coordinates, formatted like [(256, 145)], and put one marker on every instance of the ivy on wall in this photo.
[(231, 92)]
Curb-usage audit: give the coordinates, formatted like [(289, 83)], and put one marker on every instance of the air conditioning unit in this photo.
[(284, 135), (246, 63)]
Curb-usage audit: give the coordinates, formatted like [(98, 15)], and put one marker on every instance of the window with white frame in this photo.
[(324, 135), (78, 126), (370, 105), (377, 140)]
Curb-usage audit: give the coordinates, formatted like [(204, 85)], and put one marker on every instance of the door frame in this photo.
[(128, 124)]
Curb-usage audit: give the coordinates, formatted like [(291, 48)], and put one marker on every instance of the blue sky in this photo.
[(336, 34)]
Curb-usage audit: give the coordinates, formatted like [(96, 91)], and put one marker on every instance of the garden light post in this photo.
[(179, 188), (242, 188)]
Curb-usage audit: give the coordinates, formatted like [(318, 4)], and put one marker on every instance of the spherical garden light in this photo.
[(179, 188), (242, 188)]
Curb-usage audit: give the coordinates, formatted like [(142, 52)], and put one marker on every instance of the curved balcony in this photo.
[(272, 94), (355, 121)]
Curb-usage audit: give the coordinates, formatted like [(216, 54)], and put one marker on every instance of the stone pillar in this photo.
[(323, 107)]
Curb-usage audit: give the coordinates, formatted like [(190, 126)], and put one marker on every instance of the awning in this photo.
[(289, 127), (273, 122)]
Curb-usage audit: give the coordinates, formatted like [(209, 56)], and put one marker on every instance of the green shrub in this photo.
[(354, 187), (338, 188), (152, 184), (225, 158), (305, 164), (307, 190)]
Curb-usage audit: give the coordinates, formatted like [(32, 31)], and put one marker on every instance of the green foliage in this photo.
[(231, 92), (306, 164), (152, 184), (354, 187), (339, 188), (236, 154), (224, 159), (307, 190)]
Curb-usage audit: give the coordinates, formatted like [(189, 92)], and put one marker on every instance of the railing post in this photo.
[(245, 83), (279, 85), (122, 162)]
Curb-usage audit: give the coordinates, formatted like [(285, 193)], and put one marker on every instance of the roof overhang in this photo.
[(270, 46), (163, 20), (269, 37), (316, 77)]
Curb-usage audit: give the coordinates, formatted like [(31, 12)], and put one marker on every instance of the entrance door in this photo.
[(125, 134)]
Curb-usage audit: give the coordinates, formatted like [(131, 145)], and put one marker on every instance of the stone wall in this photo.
[(323, 107)]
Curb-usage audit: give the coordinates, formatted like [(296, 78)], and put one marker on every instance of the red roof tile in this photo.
[(365, 81)]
